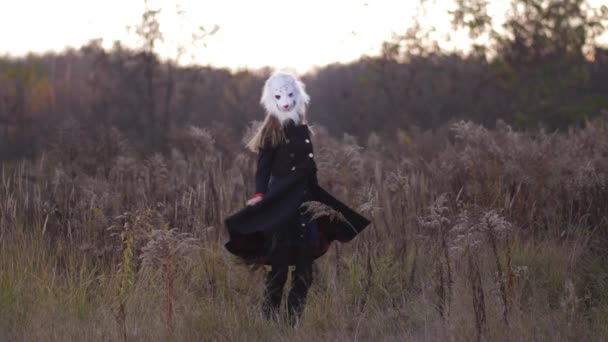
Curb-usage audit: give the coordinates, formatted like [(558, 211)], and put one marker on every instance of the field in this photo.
[(477, 234)]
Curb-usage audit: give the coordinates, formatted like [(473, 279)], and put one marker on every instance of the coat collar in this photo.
[(290, 124)]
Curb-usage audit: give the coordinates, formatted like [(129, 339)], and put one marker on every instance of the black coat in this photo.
[(287, 175)]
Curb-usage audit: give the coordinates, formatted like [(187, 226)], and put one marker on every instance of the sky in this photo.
[(299, 35)]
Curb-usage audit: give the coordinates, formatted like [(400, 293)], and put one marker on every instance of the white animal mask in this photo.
[(284, 96)]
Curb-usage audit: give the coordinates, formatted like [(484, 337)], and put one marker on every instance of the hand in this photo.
[(254, 200)]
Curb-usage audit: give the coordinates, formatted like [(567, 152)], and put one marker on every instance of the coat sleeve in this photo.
[(262, 174)]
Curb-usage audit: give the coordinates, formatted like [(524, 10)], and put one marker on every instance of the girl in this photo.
[(273, 228)]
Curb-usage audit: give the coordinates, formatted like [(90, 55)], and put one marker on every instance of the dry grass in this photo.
[(498, 235)]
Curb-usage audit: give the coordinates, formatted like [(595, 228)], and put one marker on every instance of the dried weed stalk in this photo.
[(318, 210), (164, 250), (437, 222)]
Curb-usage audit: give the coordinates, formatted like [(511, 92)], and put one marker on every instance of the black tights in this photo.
[(275, 281), (296, 245)]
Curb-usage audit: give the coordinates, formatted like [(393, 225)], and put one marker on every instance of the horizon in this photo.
[(339, 34)]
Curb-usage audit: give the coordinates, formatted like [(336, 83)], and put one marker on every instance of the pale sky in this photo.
[(255, 33)]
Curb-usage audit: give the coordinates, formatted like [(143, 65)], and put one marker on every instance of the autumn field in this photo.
[(476, 234), (473, 134)]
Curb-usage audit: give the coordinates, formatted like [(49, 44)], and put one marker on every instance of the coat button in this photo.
[(307, 141), (287, 141), (301, 235), (293, 168), (291, 155), (303, 224), (310, 155)]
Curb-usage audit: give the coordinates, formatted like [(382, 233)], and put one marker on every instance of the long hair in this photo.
[(271, 130)]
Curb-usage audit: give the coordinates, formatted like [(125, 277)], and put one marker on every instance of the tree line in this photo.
[(543, 69)]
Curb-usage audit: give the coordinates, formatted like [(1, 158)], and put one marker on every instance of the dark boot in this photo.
[(273, 292)]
